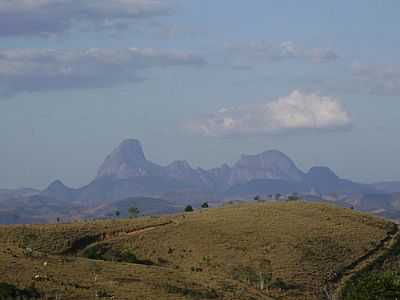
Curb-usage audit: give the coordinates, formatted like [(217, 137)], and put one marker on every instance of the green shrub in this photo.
[(103, 252), (192, 293), (93, 253), (133, 212), (9, 291), (376, 286), (204, 205), (188, 208), (293, 198)]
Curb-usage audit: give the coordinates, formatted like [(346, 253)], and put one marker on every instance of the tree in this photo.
[(278, 196), (188, 208), (204, 205), (117, 213), (293, 197), (133, 212), (257, 198)]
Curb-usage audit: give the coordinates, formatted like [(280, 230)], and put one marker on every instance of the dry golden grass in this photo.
[(246, 251)]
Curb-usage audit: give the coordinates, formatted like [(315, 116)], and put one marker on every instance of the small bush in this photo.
[(189, 208), (293, 198), (133, 212), (94, 253), (255, 278), (204, 205), (282, 285), (109, 254), (192, 293), (9, 291)]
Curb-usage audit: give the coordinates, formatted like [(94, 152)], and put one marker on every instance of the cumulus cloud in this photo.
[(377, 79), (49, 17), (270, 52), (297, 111), (30, 70)]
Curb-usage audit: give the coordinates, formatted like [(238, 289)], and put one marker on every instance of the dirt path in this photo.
[(81, 244), (139, 231)]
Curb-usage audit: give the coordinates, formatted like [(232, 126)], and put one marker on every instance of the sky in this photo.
[(199, 80)]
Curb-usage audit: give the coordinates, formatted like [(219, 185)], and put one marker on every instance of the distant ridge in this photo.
[(126, 173), (388, 186), (128, 161)]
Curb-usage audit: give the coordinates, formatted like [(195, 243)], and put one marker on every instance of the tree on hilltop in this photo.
[(294, 197), (133, 212), (189, 208)]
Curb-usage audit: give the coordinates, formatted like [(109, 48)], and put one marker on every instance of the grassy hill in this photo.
[(246, 251)]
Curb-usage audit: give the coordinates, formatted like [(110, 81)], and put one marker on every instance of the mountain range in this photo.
[(126, 173)]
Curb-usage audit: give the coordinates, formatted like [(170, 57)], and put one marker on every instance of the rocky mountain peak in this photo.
[(58, 190), (130, 151), (57, 185), (270, 164), (128, 160)]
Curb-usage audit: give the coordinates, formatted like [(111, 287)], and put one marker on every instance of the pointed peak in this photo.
[(127, 161), (130, 150), (57, 185), (130, 142)]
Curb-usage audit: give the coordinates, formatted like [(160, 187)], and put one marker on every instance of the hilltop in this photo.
[(286, 250)]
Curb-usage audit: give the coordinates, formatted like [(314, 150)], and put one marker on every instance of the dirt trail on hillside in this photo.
[(139, 231), (124, 234), (88, 241)]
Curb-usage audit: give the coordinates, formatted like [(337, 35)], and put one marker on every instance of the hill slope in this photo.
[(248, 251)]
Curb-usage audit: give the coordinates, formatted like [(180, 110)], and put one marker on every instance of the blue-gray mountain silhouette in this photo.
[(126, 173)]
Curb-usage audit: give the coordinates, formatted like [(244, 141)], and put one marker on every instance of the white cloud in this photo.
[(297, 111), (377, 79), (270, 52), (49, 17), (30, 70)]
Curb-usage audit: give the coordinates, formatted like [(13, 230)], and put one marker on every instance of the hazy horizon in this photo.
[(202, 81)]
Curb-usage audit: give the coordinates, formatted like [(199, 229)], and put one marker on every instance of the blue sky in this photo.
[(198, 80)]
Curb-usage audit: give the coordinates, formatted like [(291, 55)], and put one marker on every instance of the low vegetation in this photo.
[(189, 208), (9, 291), (376, 286)]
